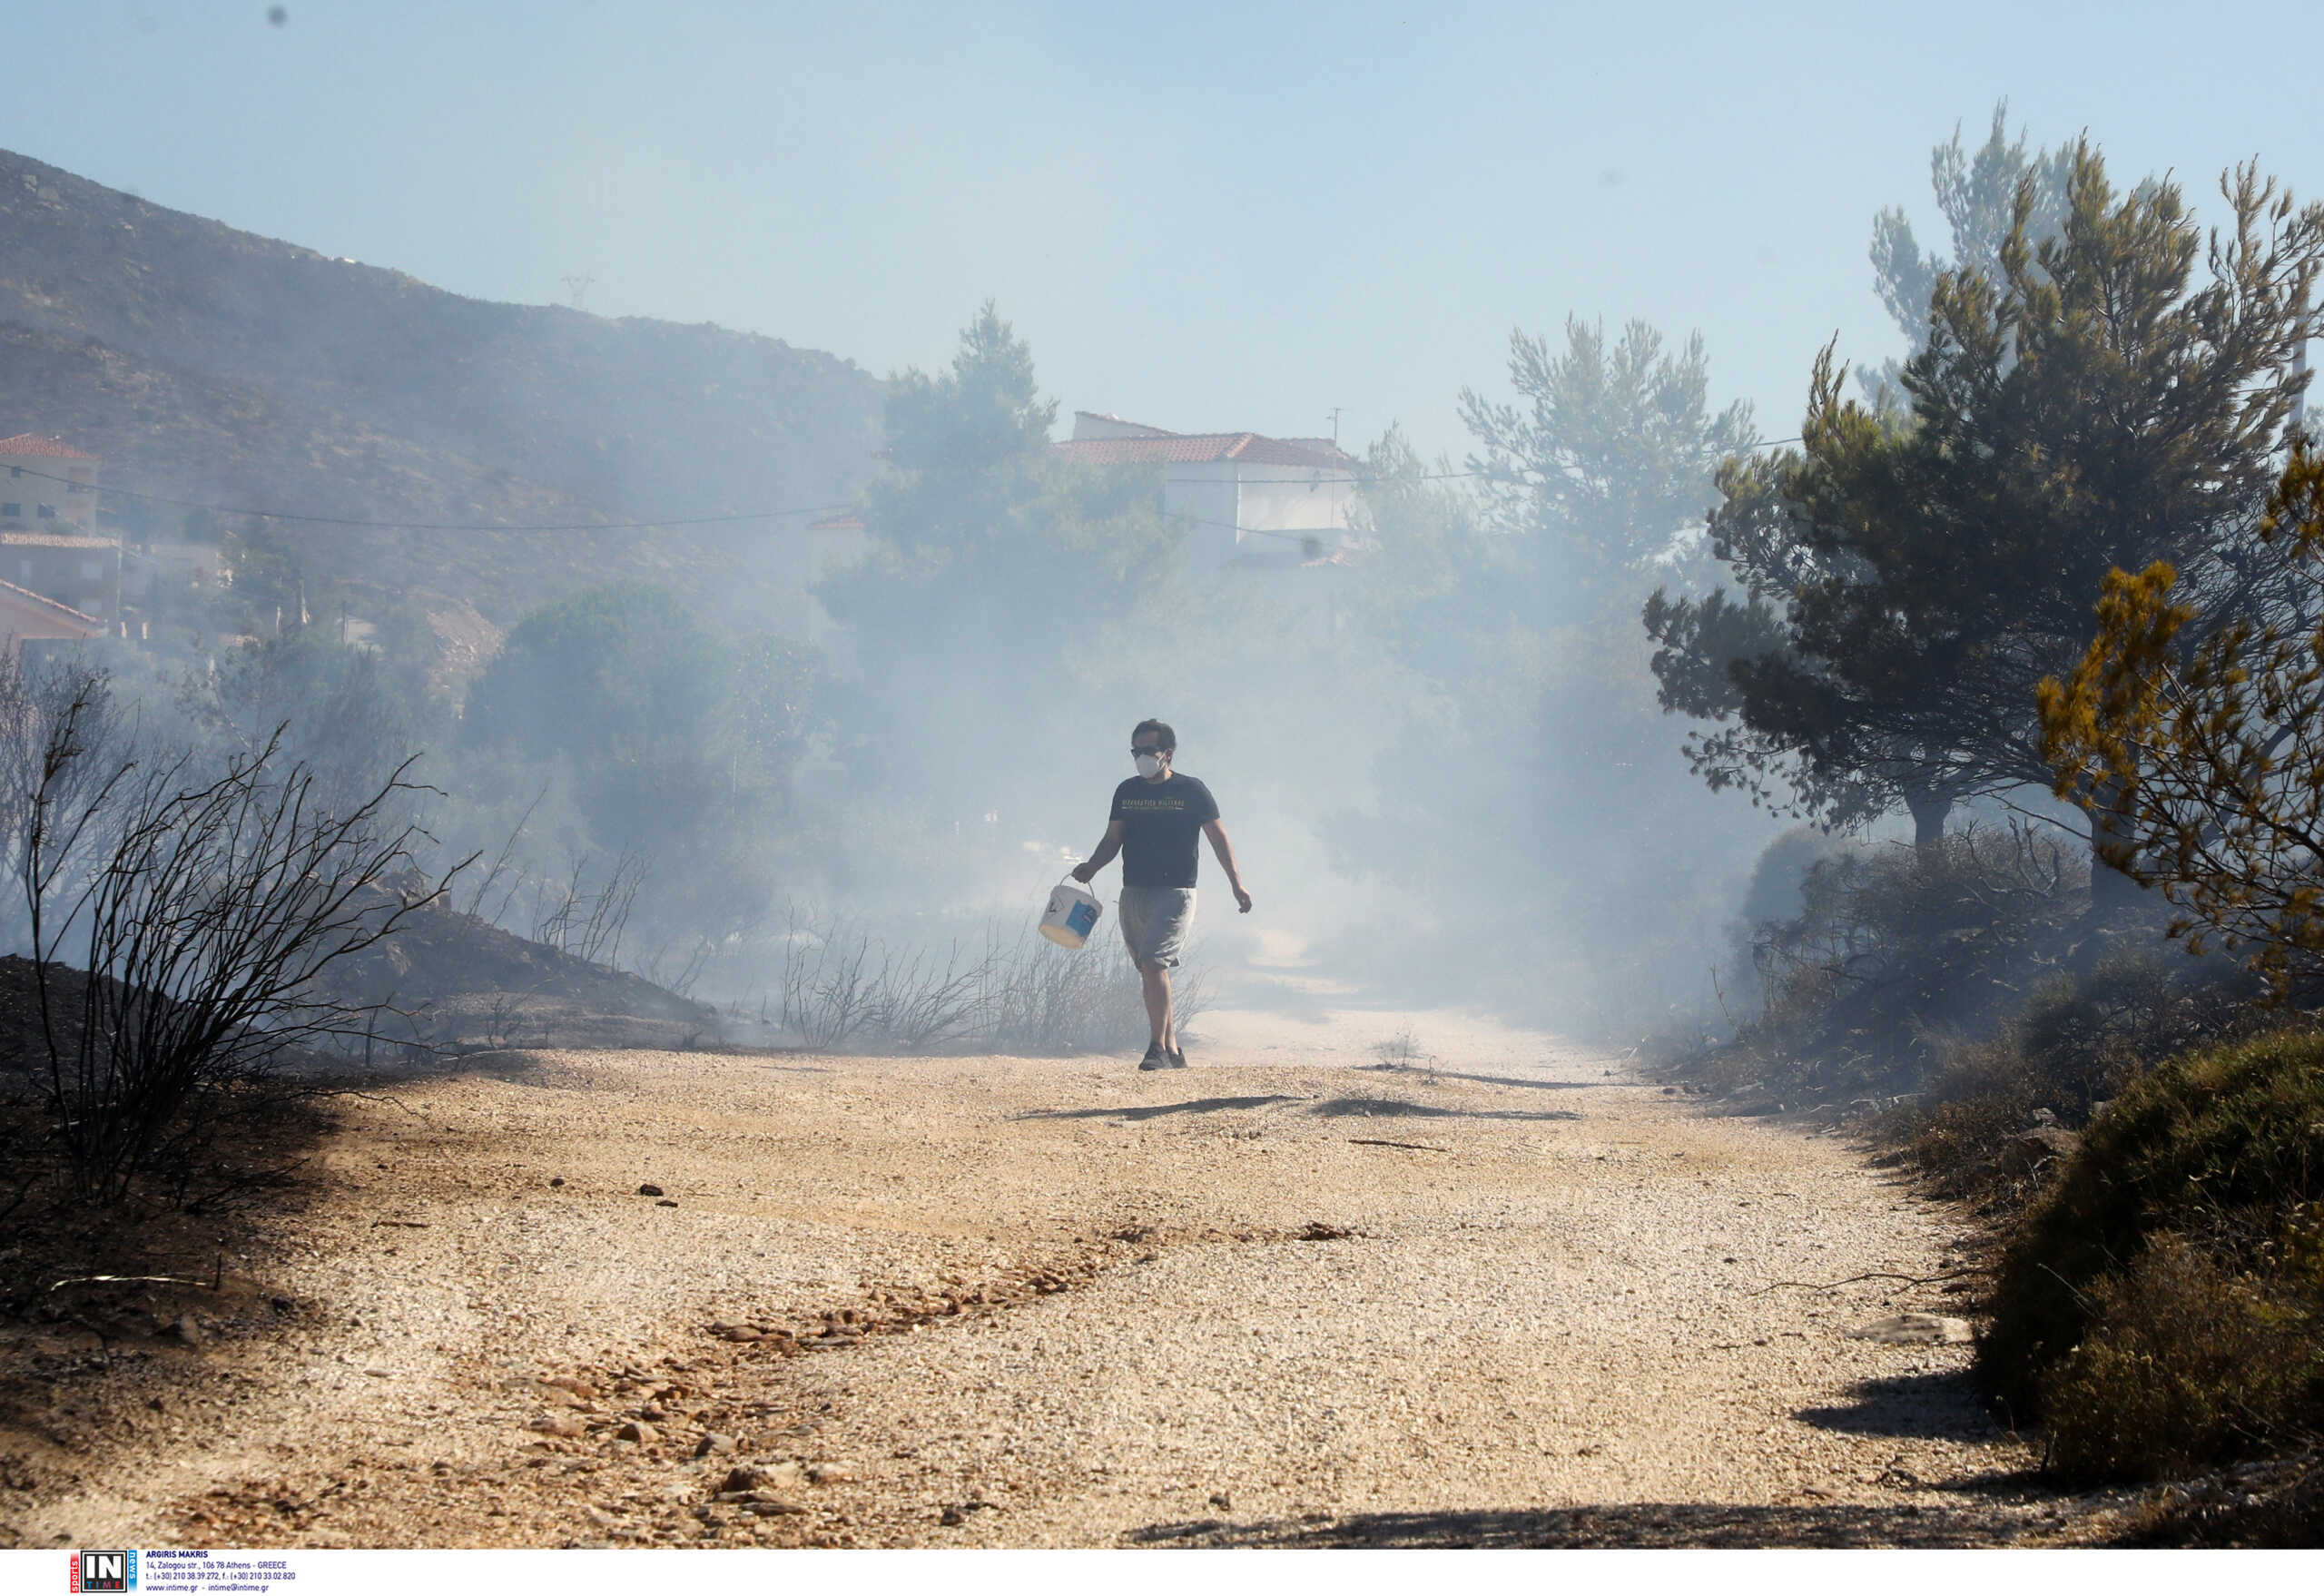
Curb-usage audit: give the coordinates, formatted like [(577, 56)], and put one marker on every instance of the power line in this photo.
[(1311, 480), (190, 504), (565, 527), (1315, 480)]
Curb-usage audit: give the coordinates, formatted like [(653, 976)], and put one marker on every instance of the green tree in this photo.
[(1604, 463), (1908, 578), (963, 443), (1976, 193), (1436, 580), (622, 685), (345, 712), (773, 713), (1004, 579), (1523, 775), (269, 588)]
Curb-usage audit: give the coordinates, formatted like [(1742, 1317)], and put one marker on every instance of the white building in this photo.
[(1250, 503)]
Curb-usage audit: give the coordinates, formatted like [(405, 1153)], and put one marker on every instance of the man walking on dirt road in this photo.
[(1156, 816)]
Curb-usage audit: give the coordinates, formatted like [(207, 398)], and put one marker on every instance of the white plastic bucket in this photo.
[(1072, 915)]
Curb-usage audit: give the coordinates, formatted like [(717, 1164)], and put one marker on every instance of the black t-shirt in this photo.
[(1160, 821)]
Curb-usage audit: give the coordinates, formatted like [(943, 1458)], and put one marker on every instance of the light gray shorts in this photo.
[(1155, 921)]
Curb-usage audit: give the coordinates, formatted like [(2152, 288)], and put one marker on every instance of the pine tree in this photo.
[(1910, 577), (1605, 468), (1976, 192)]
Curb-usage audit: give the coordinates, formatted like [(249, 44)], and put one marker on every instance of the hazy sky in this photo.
[(1207, 217)]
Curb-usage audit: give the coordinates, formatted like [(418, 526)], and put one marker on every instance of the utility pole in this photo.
[(1335, 426)]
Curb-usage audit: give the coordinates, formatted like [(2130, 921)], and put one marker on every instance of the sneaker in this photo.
[(1178, 1057), (1156, 1059)]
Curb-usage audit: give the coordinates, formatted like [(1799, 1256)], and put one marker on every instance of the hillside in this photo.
[(209, 364)]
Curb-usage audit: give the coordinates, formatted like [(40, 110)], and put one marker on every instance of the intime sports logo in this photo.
[(105, 1570)]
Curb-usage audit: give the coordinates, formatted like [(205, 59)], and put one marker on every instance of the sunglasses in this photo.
[(1156, 750)]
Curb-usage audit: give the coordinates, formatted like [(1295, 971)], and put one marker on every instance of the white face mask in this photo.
[(1148, 766)]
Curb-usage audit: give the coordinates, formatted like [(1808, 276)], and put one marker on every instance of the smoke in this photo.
[(1435, 744), (897, 687)]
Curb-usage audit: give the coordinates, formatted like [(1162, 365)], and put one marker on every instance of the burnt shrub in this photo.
[(1894, 950), (2076, 1042), (842, 988), (181, 912), (2179, 1250)]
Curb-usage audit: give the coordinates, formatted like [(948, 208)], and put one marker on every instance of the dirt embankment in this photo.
[(1289, 1296), (454, 980)]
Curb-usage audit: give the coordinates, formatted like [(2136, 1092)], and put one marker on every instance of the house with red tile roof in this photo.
[(26, 616), (1250, 502)]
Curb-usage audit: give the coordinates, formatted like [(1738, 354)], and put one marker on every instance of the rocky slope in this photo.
[(208, 364)]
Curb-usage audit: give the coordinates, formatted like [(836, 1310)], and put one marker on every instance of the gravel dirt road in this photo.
[(1327, 1286)]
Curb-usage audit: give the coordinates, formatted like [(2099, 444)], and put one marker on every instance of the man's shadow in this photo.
[(1396, 1109), (1157, 1110)]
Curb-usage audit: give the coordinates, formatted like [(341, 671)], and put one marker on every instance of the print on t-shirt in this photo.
[(1160, 821)]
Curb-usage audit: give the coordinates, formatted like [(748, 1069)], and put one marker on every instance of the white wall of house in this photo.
[(1208, 496), (1288, 498), (82, 572), (1232, 505)]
